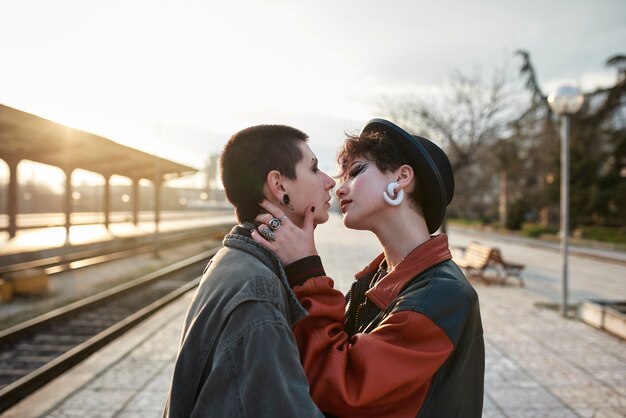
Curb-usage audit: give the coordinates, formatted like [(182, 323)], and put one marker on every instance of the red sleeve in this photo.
[(387, 371)]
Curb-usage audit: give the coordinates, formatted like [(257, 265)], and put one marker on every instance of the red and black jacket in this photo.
[(411, 345)]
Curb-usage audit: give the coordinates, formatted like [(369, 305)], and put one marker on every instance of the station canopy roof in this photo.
[(26, 136)]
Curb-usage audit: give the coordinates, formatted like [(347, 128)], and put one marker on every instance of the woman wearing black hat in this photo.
[(407, 340)]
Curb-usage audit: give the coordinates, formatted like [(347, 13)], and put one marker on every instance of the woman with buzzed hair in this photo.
[(238, 356)]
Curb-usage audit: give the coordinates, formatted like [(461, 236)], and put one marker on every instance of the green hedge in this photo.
[(613, 235), (536, 230), (602, 233), (465, 222)]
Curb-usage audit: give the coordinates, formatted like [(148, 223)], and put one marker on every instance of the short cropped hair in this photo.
[(247, 158), (376, 146)]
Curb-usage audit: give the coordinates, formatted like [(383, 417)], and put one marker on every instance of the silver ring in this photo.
[(274, 223), (267, 233), (282, 218)]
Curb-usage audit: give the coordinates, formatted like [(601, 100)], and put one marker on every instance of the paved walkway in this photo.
[(538, 364), (597, 251)]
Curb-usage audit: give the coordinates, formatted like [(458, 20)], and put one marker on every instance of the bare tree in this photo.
[(467, 116), (466, 119)]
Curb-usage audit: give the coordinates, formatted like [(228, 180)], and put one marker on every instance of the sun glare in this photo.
[(148, 83), (37, 174), (4, 173), (33, 173)]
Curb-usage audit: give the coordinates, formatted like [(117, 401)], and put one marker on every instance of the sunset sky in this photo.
[(176, 78)]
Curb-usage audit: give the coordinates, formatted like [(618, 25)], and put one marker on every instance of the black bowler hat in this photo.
[(431, 166)]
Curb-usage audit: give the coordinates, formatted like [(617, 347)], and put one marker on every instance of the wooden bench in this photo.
[(512, 270), (479, 260)]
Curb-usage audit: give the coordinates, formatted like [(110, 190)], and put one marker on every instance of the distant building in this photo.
[(214, 189)]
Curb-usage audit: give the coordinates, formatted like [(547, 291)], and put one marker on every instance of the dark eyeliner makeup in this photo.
[(357, 170)]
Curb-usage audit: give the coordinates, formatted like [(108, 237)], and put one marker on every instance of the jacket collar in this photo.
[(423, 257), (239, 237)]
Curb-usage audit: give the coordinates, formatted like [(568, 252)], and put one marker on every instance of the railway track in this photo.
[(36, 351)]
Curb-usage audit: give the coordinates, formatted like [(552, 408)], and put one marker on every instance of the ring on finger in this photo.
[(274, 223), (267, 233)]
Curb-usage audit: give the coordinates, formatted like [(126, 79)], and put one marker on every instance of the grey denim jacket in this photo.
[(238, 356)]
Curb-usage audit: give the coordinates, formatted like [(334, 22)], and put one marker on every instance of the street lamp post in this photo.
[(565, 101)]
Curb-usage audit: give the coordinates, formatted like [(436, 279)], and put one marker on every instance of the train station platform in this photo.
[(538, 364), (44, 238), (69, 285)]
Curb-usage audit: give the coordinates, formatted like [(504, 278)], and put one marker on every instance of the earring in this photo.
[(395, 201), (286, 202)]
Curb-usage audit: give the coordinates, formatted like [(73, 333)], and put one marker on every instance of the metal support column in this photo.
[(107, 200), (136, 201), (68, 203), (157, 215), (12, 201)]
